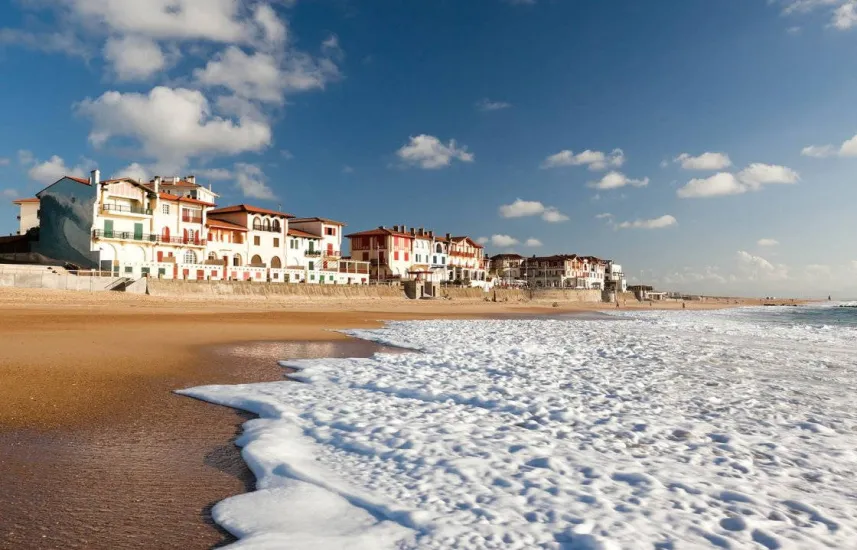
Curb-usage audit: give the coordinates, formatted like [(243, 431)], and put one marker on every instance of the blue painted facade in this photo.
[(65, 225)]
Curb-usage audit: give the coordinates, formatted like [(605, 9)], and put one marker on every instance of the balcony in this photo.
[(126, 209), (191, 219), (331, 254), (145, 237), (276, 229), (312, 253)]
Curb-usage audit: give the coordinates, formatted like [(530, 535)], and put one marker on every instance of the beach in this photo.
[(95, 449)]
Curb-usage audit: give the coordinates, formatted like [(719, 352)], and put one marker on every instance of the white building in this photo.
[(264, 240), (28, 214)]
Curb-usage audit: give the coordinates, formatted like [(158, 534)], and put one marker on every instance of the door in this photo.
[(108, 228), (160, 256), (138, 231), (330, 249)]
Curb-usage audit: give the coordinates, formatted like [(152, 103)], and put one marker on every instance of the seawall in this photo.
[(173, 287), (522, 295)]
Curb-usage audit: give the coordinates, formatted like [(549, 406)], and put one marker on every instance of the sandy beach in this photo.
[(95, 449)]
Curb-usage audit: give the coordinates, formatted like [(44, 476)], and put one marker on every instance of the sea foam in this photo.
[(660, 430)]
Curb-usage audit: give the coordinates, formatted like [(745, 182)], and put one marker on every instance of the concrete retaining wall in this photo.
[(162, 287), (23, 279), (518, 295)]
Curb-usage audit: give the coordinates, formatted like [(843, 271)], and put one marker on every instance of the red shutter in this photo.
[(160, 255), (184, 236)]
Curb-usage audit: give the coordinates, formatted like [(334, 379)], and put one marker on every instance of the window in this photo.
[(256, 240), (190, 257), (434, 259), (276, 226), (312, 267), (257, 224), (267, 224), (256, 260), (276, 242), (236, 260), (406, 256), (395, 255), (330, 231), (439, 248), (275, 262), (165, 208), (366, 256), (212, 255)]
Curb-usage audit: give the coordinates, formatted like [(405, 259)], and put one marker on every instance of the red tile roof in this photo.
[(324, 220), (212, 222), (78, 180), (176, 198), (27, 200), (249, 209), (304, 234), (466, 238)]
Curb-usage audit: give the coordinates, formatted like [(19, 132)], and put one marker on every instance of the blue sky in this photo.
[(672, 136)]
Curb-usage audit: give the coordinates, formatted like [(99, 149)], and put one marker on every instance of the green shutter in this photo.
[(108, 228), (138, 231)]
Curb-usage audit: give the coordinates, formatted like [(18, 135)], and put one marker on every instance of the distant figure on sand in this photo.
[(683, 305)]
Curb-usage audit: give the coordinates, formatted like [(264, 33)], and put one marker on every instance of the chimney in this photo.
[(157, 182), (190, 179), (448, 237), (95, 177), (404, 229), (381, 227), (431, 234), (413, 232)]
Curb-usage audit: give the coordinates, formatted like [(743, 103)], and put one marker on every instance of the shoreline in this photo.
[(94, 444)]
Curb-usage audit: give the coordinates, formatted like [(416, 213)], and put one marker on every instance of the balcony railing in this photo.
[(331, 253), (312, 253), (191, 219), (144, 237), (268, 229), (126, 209)]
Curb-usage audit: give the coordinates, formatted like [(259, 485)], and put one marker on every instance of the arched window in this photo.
[(267, 224), (236, 260), (257, 224), (276, 226), (439, 249), (256, 260), (275, 262), (190, 257), (212, 255)]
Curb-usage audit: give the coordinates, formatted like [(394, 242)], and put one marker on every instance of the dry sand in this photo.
[(95, 450)]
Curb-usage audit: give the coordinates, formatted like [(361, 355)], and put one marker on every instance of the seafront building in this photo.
[(560, 271), (171, 228), (400, 254)]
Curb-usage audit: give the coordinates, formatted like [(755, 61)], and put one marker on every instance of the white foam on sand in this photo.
[(666, 430)]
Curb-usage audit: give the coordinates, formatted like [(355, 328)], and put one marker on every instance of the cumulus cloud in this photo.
[(615, 180), (51, 170), (533, 243), (134, 57), (251, 181), (847, 149), (595, 160), (705, 161), (214, 173), (483, 240), (135, 171), (171, 125), (752, 178), (503, 241), (842, 13), (767, 242), (604, 216), (485, 105), (521, 208), (430, 153), (656, 223), (9, 193)]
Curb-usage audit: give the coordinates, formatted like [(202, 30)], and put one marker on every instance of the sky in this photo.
[(706, 146)]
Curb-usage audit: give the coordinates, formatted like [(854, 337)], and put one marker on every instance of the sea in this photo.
[(656, 430)]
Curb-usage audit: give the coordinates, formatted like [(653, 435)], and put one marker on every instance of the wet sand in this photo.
[(147, 480)]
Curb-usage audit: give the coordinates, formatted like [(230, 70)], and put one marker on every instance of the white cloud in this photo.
[(615, 180), (603, 216), (483, 240), (705, 161), (55, 168), (595, 160), (691, 275), (273, 29), (430, 153), (767, 242), (757, 174), (171, 125), (656, 223), (503, 241), (347, 169), (10, 193), (752, 178), (552, 215), (215, 173), (25, 157), (134, 57), (757, 268), (847, 149), (665, 163), (265, 77), (134, 171), (4, 161), (287, 154), (251, 181), (486, 105), (521, 208), (533, 243), (843, 13), (722, 183)]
